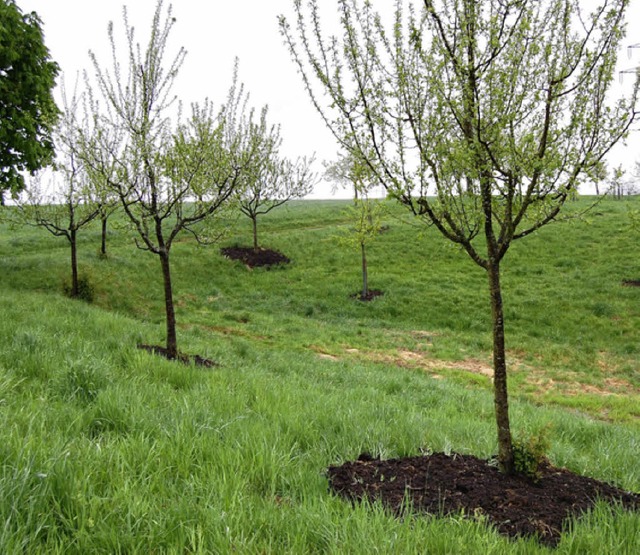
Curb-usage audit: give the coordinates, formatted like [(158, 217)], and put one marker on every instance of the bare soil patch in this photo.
[(631, 282), (406, 358), (253, 258), (185, 359), (440, 484), (371, 294)]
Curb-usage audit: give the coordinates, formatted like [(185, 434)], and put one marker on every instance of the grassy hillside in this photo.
[(106, 448)]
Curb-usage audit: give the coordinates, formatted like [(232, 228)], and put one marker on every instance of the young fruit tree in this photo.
[(365, 213), (344, 173), (168, 176), (107, 204), (483, 118), (273, 180), (366, 216), (28, 111), (65, 203)]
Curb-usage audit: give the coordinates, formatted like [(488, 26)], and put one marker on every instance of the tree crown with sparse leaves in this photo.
[(471, 113), (482, 117)]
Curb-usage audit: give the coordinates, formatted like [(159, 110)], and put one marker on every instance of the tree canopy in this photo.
[(483, 118), (169, 175), (28, 111), (273, 179), (67, 201)]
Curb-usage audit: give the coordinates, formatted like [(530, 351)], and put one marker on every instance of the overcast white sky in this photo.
[(214, 32)]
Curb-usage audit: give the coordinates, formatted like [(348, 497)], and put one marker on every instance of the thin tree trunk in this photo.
[(254, 219), (501, 400), (172, 342), (74, 263), (365, 278), (103, 245)]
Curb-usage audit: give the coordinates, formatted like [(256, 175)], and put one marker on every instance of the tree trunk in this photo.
[(172, 342), (74, 263), (501, 399), (103, 244), (254, 220), (365, 278)]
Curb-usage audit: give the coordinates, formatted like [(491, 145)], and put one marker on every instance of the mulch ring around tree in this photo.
[(253, 258), (631, 282), (197, 360), (371, 294), (439, 484)]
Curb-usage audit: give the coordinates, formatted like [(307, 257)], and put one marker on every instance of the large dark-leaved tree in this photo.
[(483, 118), (28, 111)]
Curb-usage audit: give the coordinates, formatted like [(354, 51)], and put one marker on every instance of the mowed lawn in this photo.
[(105, 448)]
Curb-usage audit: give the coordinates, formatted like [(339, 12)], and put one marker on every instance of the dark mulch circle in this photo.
[(371, 294), (253, 258), (631, 282), (440, 484), (185, 359)]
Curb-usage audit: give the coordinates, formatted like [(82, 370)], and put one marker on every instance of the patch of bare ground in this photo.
[(441, 484), (474, 366), (182, 357), (605, 364), (370, 296), (322, 353), (406, 358), (253, 258), (536, 381), (571, 385)]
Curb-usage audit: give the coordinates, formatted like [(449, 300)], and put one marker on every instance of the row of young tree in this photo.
[(482, 118), (122, 144)]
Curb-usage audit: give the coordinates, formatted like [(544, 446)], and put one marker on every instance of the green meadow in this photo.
[(105, 448)]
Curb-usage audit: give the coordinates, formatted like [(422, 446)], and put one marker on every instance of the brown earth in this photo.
[(371, 294), (631, 282), (439, 484), (185, 359), (253, 258)]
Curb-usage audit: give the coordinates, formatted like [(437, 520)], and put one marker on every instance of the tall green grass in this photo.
[(107, 449)]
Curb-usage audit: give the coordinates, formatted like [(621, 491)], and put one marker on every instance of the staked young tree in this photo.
[(168, 176), (483, 118), (65, 203), (273, 180), (28, 112)]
